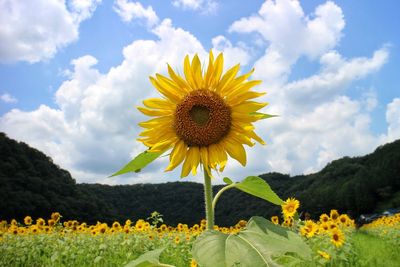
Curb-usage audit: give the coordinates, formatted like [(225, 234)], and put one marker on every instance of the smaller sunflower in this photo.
[(343, 219), (324, 218), (309, 229), (337, 237), (28, 220), (334, 215), (290, 206), (324, 255), (275, 219)]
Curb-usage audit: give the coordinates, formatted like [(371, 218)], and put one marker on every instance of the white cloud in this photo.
[(291, 34), (92, 131), (205, 6), (129, 11), (35, 30), (393, 119), (7, 98), (335, 76), (232, 54)]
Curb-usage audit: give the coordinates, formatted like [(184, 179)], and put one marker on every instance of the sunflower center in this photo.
[(202, 118), (200, 115)]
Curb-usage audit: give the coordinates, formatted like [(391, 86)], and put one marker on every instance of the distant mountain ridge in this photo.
[(31, 184)]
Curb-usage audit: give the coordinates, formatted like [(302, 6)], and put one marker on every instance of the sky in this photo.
[(73, 72)]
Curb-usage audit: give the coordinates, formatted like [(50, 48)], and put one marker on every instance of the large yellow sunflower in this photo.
[(203, 116)]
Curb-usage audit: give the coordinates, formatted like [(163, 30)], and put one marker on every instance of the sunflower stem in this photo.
[(223, 189), (208, 197)]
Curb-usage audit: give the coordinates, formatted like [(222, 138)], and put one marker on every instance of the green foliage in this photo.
[(258, 245), (31, 184), (149, 259), (256, 186), (139, 162)]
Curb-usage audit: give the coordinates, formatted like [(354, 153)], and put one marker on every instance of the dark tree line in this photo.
[(31, 184)]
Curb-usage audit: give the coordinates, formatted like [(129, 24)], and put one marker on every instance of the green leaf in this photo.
[(208, 248), (138, 163), (97, 259), (149, 259), (258, 245), (263, 115), (256, 186), (227, 180)]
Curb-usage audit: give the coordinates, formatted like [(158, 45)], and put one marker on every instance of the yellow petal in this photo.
[(154, 112), (162, 146), (170, 94), (177, 155), (228, 76), (188, 73), (156, 121), (249, 106), (242, 88), (218, 68), (158, 103), (178, 80), (236, 151), (241, 97), (254, 136), (191, 161), (196, 71)]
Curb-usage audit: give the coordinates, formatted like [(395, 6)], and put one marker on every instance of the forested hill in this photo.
[(31, 184)]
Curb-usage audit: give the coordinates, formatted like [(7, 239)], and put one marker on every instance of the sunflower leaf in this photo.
[(263, 115), (227, 180), (258, 187), (149, 259), (139, 162), (259, 244)]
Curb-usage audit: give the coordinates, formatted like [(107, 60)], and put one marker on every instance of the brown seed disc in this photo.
[(202, 118)]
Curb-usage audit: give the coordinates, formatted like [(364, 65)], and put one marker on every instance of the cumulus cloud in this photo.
[(205, 6), (335, 76), (393, 119), (7, 98), (35, 30), (129, 11), (289, 34), (93, 129)]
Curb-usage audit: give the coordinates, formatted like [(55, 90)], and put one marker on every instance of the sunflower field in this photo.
[(53, 242)]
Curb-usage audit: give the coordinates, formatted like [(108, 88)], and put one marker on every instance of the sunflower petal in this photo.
[(177, 155), (171, 95), (162, 146), (236, 151), (249, 106), (196, 71), (218, 68), (154, 112), (188, 73), (191, 161), (228, 76), (158, 103), (178, 80)]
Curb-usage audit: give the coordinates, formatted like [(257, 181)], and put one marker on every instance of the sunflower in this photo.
[(334, 215), (203, 117), (289, 207), (324, 255), (309, 229), (28, 220), (275, 219), (337, 237)]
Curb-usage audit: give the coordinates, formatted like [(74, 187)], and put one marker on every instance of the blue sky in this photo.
[(71, 73)]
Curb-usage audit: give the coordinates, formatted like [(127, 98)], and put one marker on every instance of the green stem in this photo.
[(223, 189), (208, 196)]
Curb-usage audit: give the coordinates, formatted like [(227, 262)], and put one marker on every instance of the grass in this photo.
[(375, 251)]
